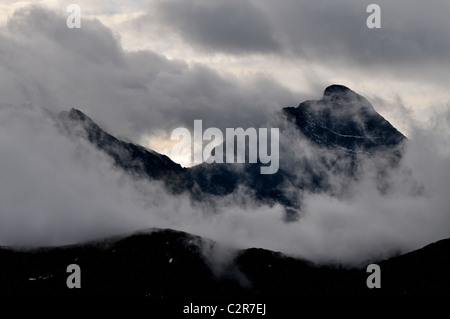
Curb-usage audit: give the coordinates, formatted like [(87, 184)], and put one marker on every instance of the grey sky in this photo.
[(236, 27), (317, 43), (132, 93), (143, 68)]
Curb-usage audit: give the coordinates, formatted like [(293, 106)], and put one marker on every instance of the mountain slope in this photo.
[(347, 130), (344, 119), (343, 124), (132, 158), (171, 265)]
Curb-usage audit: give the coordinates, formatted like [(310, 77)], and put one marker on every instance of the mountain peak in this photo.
[(76, 114), (336, 89), (342, 97), (344, 118), (132, 158)]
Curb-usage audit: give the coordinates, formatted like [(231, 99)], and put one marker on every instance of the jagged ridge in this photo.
[(341, 120)]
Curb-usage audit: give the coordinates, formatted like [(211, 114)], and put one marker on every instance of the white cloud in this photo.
[(59, 190)]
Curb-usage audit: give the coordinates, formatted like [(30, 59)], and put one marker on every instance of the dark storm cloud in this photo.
[(230, 26), (412, 42), (410, 31), (131, 93)]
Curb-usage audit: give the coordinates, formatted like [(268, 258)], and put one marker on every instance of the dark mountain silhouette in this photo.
[(133, 159), (170, 265), (342, 122)]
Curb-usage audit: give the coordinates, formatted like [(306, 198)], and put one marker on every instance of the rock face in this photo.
[(344, 119)]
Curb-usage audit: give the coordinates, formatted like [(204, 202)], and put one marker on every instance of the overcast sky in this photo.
[(142, 68)]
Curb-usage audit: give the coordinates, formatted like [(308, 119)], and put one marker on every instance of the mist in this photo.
[(58, 190)]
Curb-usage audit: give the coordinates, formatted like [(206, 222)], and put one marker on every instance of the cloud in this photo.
[(131, 93), (335, 31), (318, 43), (57, 190), (330, 33), (237, 27)]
